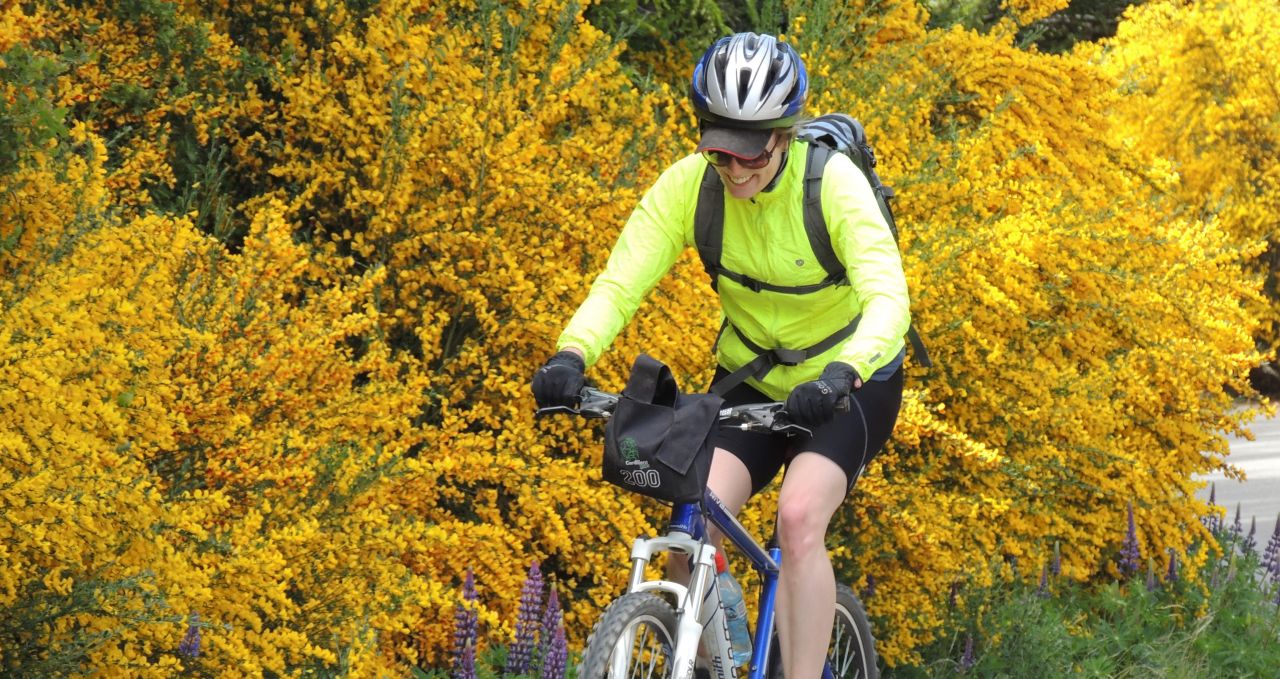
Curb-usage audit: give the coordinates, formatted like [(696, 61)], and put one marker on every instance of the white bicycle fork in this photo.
[(699, 607)]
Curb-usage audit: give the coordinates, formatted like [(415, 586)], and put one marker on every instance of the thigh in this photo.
[(762, 455)]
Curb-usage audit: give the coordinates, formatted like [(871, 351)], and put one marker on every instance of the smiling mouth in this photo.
[(740, 180)]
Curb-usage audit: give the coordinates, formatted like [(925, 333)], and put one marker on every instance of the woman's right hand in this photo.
[(560, 380)]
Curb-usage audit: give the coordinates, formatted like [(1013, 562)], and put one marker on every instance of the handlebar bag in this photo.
[(658, 442)]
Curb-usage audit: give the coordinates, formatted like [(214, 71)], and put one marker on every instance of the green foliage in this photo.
[(976, 14), (655, 26), (1081, 21), (1224, 625), (28, 118)]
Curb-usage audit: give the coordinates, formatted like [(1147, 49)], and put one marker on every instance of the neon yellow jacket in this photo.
[(764, 238)]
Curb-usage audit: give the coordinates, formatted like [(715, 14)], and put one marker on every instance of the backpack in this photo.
[(827, 135)]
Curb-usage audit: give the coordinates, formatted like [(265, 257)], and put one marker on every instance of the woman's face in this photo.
[(745, 182)]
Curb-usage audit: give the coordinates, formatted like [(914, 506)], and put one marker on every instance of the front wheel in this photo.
[(852, 652), (634, 639)]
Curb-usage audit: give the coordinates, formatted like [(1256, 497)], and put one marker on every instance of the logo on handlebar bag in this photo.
[(643, 476), (630, 451)]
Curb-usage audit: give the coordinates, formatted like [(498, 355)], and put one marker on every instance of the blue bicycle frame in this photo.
[(688, 518)]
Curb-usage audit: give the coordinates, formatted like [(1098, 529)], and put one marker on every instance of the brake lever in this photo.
[(552, 410)]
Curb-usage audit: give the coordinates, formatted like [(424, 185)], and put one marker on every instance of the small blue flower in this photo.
[(1271, 555), (553, 664), (465, 618), (528, 621), (190, 645), (552, 619), (1130, 554), (967, 660), (1211, 520), (1250, 544)]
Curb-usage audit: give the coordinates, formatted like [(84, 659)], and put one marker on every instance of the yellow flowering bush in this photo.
[(1199, 90), (1083, 332), (274, 277), (161, 480)]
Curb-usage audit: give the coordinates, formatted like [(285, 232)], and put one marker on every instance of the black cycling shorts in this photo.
[(850, 440)]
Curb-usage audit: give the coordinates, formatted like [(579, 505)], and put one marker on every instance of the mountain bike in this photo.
[(665, 629)]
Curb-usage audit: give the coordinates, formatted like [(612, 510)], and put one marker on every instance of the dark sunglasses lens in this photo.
[(755, 163), (721, 159)]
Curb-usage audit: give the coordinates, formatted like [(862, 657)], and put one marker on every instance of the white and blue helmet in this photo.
[(749, 80)]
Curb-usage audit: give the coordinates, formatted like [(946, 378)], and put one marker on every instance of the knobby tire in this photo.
[(852, 652), (649, 622)]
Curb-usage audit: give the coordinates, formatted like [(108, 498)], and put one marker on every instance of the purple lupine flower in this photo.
[(1057, 561), (1043, 590), (528, 620), (1171, 576), (551, 621), (465, 618), (1152, 585), (553, 664), (967, 660), (1211, 520), (1129, 551), (1250, 544), (190, 645), (870, 590), (1237, 529), (1271, 555)]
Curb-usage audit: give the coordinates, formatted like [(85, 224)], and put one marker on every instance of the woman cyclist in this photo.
[(847, 335)]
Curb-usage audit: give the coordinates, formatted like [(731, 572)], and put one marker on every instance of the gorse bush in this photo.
[(274, 276)]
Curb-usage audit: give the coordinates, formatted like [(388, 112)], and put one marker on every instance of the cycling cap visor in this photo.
[(738, 142)]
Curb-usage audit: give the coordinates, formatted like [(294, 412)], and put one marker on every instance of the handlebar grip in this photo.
[(845, 404)]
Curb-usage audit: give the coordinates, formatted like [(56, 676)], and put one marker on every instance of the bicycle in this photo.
[(654, 630)]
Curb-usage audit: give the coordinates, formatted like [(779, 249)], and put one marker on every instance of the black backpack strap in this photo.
[(815, 224), (708, 223), (917, 346), (766, 359), (708, 237)]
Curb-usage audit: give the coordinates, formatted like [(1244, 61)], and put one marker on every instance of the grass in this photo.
[(1225, 625), (1152, 624)]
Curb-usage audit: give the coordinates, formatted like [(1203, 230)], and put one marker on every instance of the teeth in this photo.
[(739, 180)]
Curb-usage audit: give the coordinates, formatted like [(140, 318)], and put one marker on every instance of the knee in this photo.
[(801, 528)]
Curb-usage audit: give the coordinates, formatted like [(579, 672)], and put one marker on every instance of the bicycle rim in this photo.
[(852, 653), (633, 640)]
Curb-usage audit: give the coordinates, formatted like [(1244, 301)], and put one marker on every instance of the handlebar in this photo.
[(755, 417)]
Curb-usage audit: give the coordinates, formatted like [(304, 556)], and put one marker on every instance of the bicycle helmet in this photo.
[(751, 81)]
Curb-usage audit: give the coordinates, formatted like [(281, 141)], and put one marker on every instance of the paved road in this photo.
[(1259, 496)]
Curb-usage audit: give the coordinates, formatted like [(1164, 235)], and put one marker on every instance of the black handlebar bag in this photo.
[(658, 441)]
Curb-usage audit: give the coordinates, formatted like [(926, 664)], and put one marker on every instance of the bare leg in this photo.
[(731, 482), (812, 490)]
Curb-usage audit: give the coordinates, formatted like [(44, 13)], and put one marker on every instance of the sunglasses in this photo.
[(721, 159)]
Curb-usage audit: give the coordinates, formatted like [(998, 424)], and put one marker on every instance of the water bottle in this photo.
[(735, 612)]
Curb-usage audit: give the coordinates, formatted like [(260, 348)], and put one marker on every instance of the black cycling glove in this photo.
[(559, 381), (813, 404)]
